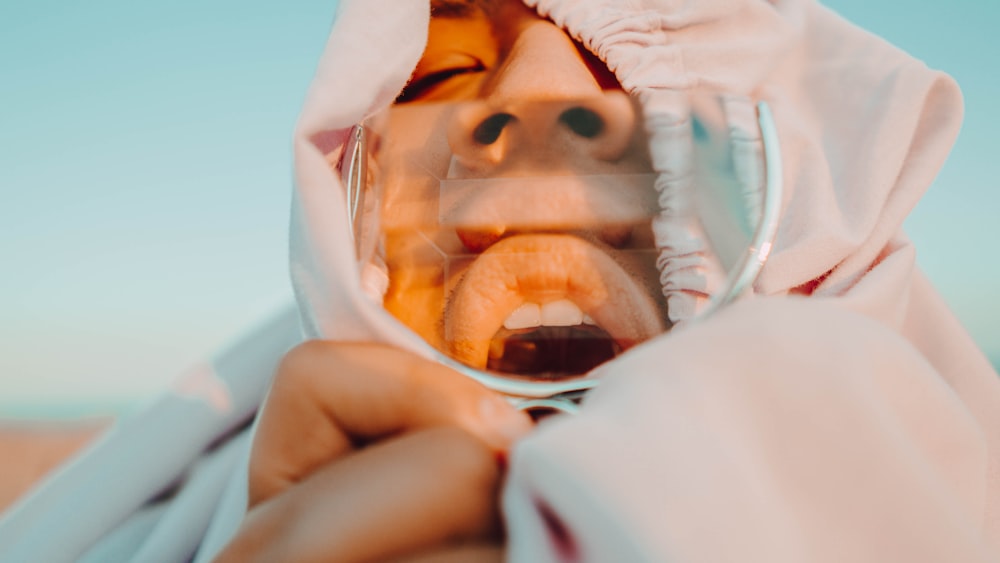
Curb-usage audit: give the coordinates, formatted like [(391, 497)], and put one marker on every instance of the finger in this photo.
[(329, 398), (399, 496)]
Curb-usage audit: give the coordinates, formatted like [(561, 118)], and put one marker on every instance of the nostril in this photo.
[(583, 122), (487, 132)]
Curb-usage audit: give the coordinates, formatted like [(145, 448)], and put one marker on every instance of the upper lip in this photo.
[(541, 268)]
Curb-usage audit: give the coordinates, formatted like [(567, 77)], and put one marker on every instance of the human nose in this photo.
[(542, 63), (543, 106), (522, 137)]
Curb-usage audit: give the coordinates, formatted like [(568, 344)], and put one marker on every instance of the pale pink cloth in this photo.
[(860, 425), (779, 430)]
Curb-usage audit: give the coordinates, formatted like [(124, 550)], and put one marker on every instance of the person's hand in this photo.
[(367, 452)]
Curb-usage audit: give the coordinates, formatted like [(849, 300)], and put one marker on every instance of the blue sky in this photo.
[(144, 181)]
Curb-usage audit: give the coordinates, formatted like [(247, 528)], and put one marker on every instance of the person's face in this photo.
[(535, 277)]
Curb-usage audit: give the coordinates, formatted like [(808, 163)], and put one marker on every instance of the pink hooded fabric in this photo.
[(860, 424)]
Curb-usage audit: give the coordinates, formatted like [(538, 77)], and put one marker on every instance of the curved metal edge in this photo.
[(763, 239), (521, 389), (357, 173), (558, 404)]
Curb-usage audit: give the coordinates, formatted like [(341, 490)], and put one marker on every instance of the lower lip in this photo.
[(541, 268)]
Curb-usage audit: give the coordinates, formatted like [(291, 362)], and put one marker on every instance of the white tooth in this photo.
[(561, 313), (528, 315), (588, 320)]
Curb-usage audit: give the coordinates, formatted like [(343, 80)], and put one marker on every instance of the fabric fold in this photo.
[(761, 453), (861, 424)]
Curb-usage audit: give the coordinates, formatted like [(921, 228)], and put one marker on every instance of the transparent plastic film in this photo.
[(530, 241)]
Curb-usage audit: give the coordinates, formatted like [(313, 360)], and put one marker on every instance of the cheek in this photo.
[(423, 270)]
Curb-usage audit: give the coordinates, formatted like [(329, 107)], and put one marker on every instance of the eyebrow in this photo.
[(457, 8)]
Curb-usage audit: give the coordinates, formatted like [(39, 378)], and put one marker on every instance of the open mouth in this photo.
[(551, 341), (547, 306), (550, 353)]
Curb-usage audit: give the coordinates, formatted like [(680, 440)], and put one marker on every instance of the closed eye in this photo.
[(420, 86)]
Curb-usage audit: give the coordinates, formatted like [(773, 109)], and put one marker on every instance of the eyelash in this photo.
[(421, 85)]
